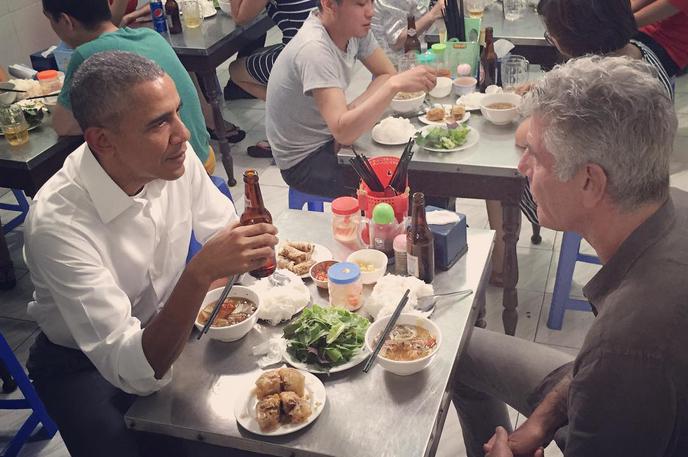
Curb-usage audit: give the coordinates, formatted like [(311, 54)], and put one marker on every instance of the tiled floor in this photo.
[(537, 268)]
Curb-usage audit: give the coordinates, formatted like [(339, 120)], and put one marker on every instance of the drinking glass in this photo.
[(512, 9), (514, 72), (14, 125), (475, 8), (192, 13)]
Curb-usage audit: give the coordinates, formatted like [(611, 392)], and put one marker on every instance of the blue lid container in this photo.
[(343, 273)]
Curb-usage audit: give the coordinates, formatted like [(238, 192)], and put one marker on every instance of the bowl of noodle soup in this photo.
[(237, 316)]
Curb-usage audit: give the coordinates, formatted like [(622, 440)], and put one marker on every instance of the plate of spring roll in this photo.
[(299, 256)]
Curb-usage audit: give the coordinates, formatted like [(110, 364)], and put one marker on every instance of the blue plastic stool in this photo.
[(298, 199), (561, 298), (30, 401), (22, 207), (194, 245)]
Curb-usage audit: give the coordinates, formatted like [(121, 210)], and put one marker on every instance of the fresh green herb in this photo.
[(443, 137), (325, 336)]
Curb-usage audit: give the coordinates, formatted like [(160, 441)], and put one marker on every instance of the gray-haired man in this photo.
[(598, 162), (106, 243)]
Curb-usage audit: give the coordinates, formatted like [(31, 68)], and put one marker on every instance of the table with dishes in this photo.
[(213, 395), (202, 49)]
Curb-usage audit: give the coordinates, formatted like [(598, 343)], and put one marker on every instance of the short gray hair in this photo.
[(100, 87), (611, 111)]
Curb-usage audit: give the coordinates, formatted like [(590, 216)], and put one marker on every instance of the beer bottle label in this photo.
[(412, 265)]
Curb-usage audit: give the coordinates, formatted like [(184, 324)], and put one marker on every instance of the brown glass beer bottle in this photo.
[(420, 244), (255, 213)]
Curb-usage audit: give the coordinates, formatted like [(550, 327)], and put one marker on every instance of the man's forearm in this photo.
[(655, 12), (354, 122), (370, 90), (552, 412), (165, 336)]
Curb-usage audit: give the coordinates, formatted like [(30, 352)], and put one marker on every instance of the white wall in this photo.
[(23, 30)]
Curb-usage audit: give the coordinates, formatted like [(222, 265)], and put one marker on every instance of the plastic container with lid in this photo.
[(383, 229), (345, 221), (439, 50), (49, 81), (344, 285), (399, 245)]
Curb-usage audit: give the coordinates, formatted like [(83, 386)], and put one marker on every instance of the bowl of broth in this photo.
[(237, 316), (500, 109), (408, 102), (410, 346)]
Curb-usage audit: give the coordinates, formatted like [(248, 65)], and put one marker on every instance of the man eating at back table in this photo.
[(106, 243), (307, 114)]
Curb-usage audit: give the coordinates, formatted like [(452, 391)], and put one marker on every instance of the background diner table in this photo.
[(199, 402)]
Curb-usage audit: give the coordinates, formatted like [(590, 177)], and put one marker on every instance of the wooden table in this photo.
[(203, 49), (198, 404)]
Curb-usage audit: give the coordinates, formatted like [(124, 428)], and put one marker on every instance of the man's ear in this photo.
[(328, 5), (99, 139), (68, 21), (595, 185)]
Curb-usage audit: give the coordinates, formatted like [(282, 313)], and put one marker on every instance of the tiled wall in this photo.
[(23, 30)]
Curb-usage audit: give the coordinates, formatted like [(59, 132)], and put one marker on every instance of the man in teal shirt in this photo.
[(86, 27)]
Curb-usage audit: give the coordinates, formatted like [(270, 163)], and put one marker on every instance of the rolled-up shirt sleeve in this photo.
[(621, 404), (95, 309)]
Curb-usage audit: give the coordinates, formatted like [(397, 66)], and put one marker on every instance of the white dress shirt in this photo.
[(103, 262)]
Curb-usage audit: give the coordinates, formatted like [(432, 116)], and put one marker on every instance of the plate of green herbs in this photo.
[(448, 138)]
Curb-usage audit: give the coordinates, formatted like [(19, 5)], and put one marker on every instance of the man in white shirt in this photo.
[(106, 243)]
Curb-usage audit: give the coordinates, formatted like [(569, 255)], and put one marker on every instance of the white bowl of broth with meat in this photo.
[(408, 102), (237, 315), (500, 109), (411, 345)]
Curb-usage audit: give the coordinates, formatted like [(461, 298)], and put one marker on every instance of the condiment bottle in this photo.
[(488, 61), (255, 213), (420, 244), (441, 65), (383, 229), (412, 43), (172, 13), (399, 245), (49, 81), (344, 285), (345, 221)]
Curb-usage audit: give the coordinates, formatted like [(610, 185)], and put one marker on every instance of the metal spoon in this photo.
[(427, 302)]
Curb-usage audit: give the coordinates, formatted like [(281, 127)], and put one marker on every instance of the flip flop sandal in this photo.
[(233, 135), (261, 150)]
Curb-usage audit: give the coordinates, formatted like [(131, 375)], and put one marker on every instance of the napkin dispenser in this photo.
[(450, 240)]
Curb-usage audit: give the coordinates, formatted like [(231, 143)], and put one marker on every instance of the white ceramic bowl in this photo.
[(464, 85), (408, 105), (321, 266), (7, 98), (236, 331), (443, 87), (225, 7), (372, 257), (399, 367), (500, 116)]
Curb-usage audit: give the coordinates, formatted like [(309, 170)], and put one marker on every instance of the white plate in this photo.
[(355, 360), (320, 253), (470, 101), (375, 133), (424, 119), (245, 407), (471, 139)]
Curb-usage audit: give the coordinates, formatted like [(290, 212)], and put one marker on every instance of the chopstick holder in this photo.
[(218, 305), (390, 325)]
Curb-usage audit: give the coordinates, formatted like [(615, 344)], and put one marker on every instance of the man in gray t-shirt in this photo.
[(307, 111)]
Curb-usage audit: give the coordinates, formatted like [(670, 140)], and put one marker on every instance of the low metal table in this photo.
[(199, 402)]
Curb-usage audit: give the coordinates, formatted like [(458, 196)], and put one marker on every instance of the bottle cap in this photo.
[(383, 213), (343, 273), (46, 74), (399, 243), (345, 206)]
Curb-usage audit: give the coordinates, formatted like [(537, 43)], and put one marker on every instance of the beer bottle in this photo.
[(488, 61), (172, 12), (420, 244), (255, 213), (412, 43)]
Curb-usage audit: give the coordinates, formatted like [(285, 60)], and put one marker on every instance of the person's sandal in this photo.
[(261, 150), (233, 133)]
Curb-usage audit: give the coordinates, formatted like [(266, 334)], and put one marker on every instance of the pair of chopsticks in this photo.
[(390, 325), (398, 182), (365, 171), (12, 90), (218, 305)]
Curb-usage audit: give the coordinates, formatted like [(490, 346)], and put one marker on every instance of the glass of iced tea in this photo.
[(192, 13), (14, 125)]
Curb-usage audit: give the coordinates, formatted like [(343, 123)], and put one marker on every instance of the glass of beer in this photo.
[(192, 13), (475, 8), (14, 125)]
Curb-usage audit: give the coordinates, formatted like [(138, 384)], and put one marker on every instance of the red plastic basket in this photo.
[(384, 167)]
